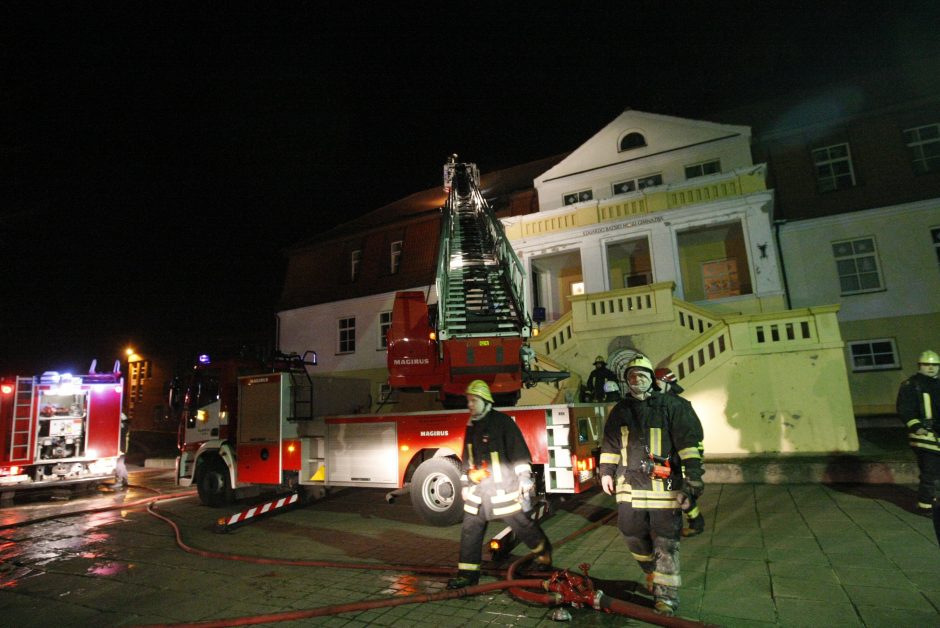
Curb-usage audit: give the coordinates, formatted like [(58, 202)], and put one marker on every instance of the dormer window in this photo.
[(632, 140)]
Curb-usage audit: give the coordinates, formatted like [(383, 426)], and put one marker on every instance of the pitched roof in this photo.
[(494, 185)]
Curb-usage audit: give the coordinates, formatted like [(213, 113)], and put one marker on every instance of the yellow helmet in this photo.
[(479, 388), (639, 361), (600, 359), (929, 357)]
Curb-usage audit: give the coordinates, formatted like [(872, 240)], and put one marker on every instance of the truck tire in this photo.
[(435, 491), (214, 486)]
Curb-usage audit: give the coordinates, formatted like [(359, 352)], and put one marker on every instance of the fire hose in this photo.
[(561, 587)]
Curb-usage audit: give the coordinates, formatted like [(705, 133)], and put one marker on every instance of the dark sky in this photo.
[(157, 157)]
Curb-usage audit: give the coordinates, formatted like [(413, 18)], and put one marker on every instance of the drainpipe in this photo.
[(783, 267)]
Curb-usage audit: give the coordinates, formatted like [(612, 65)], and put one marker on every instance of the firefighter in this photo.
[(651, 461), (598, 378), (667, 383), (495, 479), (918, 405)]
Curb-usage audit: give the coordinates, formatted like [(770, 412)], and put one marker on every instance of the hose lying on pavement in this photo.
[(556, 589), (353, 607)]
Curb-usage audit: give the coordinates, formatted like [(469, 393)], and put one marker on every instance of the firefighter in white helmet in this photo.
[(918, 406), (496, 478), (651, 461)]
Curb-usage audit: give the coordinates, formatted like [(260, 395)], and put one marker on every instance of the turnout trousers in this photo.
[(928, 463), (652, 535), (474, 528)]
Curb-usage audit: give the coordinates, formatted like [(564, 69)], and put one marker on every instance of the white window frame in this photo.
[(871, 353), (914, 140), (699, 168), (355, 258), (632, 134), (935, 236), (826, 166), (855, 256), (387, 394), (639, 183), (385, 323), (581, 196), (346, 335), (395, 256)]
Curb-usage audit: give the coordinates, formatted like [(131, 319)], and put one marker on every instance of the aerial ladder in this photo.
[(480, 325)]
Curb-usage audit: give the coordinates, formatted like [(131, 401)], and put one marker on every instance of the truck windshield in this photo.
[(203, 390)]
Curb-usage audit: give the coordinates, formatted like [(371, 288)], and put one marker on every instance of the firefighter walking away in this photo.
[(496, 478)]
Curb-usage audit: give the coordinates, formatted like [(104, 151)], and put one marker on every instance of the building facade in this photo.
[(654, 236)]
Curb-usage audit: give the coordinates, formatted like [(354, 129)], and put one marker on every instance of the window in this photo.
[(833, 168), (702, 169), (632, 185), (628, 263), (924, 142), (395, 256), (935, 234), (874, 355), (354, 258), (631, 141), (577, 197), (385, 322), (347, 335), (713, 261), (649, 181), (387, 394), (857, 264)]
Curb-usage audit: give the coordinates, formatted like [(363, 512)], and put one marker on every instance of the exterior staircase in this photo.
[(772, 382)]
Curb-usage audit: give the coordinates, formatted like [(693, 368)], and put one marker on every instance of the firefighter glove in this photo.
[(694, 487), (921, 431), (477, 475)]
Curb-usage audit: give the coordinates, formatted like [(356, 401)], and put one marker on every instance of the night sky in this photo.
[(158, 157)]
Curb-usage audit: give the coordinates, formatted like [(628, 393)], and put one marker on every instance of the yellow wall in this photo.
[(747, 406)]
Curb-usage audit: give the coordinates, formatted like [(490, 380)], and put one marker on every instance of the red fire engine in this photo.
[(59, 428), (281, 439)]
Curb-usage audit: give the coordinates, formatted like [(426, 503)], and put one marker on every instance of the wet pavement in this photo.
[(771, 555)]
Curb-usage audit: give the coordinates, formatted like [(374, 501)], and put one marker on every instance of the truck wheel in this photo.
[(215, 487), (435, 491)]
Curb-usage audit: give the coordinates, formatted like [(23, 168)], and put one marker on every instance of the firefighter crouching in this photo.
[(918, 405), (651, 461), (496, 478)]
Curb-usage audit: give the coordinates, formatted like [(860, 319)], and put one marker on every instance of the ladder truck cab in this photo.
[(479, 327), (229, 410), (59, 428)]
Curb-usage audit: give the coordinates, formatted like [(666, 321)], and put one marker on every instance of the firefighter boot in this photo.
[(664, 607), (464, 579), (696, 526), (543, 557)]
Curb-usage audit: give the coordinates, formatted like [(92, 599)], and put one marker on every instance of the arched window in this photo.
[(632, 140)]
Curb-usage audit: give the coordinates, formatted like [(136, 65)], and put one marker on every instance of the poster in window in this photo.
[(720, 278)]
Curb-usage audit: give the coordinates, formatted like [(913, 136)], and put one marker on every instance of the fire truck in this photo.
[(244, 433), (477, 329), (59, 428), (480, 323)]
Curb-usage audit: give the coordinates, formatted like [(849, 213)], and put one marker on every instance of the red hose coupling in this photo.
[(575, 590)]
